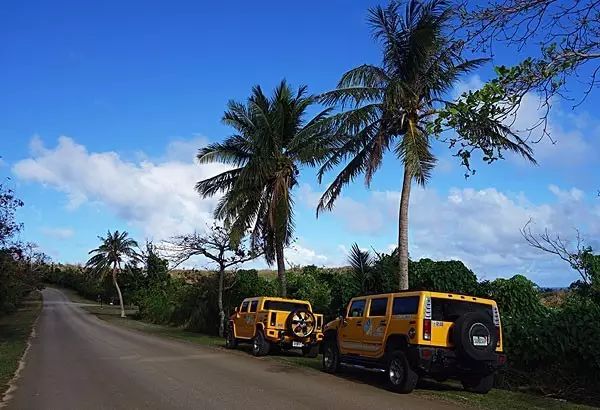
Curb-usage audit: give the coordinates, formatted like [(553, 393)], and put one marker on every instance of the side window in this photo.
[(378, 307), (408, 305), (244, 307), (357, 308), (253, 306)]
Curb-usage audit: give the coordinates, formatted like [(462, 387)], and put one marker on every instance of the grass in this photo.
[(15, 329), (449, 391)]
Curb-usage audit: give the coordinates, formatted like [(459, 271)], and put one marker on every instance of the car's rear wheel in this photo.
[(260, 345), (480, 385), (331, 356), (310, 351), (230, 340), (401, 378)]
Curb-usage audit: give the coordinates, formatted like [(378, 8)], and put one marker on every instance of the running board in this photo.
[(361, 367)]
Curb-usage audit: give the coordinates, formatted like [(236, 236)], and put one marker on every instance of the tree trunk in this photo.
[(403, 230), (281, 270), (220, 303), (114, 275)]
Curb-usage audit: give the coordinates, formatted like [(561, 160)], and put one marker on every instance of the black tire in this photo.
[(469, 326), (310, 351), (230, 340), (480, 385), (401, 377), (331, 356), (260, 345)]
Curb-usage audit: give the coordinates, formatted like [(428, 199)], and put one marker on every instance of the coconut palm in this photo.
[(394, 105), (115, 250), (272, 141)]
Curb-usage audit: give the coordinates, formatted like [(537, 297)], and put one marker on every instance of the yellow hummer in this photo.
[(272, 321), (418, 333)]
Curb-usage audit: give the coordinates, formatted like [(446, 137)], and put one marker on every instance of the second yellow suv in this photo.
[(271, 321), (420, 333)]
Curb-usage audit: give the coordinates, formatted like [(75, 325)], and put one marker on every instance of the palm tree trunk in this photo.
[(114, 276), (281, 269), (220, 302), (403, 230)]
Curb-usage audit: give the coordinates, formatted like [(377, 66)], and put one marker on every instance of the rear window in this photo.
[(378, 307), (281, 305), (448, 310), (406, 305)]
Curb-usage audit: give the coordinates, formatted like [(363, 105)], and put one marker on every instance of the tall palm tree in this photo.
[(272, 140), (394, 105), (116, 249)]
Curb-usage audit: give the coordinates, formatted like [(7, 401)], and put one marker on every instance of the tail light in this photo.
[(427, 320), (319, 322), (427, 329), (496, 317), (273, 318)]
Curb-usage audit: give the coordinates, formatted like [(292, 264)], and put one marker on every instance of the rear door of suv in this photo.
[(375, 325)]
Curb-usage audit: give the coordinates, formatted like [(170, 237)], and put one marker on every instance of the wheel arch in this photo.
[(396, 342)]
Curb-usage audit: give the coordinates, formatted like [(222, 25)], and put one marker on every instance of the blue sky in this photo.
[(103, 107)]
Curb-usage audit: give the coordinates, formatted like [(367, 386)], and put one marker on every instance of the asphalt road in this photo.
[(77, 361)]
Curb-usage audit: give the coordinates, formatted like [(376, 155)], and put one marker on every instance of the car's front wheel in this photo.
[(230, 340), (401, 378), (331, 356), (480, 385), (260, 345)]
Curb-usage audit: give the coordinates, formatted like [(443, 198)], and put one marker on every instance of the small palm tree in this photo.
[(395, 105), (272, 141), (361, 263), (116, 249)]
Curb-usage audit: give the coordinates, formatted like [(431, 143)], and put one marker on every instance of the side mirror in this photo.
[(236, 309)]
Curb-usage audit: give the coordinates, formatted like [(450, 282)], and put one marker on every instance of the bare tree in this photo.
[(217, 247), (554, 244)]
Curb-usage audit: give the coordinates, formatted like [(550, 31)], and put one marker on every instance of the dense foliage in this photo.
[(20, 264)]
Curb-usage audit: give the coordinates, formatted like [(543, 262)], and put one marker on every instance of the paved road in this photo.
[(77, 361)]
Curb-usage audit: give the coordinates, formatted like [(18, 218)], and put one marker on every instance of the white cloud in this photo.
[(156, 197), (478, 227), (298, 254), (57, 233)]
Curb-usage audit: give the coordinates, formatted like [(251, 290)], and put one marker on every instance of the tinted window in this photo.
[(357, 309), (244, 307), (285, 306), (253, 305), (448, 310), (378, 307), (406, 306)]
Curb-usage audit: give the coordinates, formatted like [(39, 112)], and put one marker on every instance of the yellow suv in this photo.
[(271, 321), (418, 333)]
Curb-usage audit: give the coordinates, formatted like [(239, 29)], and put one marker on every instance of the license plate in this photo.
[(297, 344), (480, 341)]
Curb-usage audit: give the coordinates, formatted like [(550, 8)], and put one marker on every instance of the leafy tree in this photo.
[(563, 37), (115, 250), (398, 106), (272, 140), (9, 203)]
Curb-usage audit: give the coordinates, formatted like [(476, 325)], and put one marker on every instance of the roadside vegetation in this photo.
[(15, 329)]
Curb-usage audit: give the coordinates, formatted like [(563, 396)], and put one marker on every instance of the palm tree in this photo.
[(361, 263), (272, 141), (116, 249), (394, 106)]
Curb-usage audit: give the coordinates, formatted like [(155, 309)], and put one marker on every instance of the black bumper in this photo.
[(437, 360)]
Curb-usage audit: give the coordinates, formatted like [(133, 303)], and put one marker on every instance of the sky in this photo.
[(103, 108)]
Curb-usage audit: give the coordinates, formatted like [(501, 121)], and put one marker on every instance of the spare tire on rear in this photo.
[(475, 337), (301, 323)]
